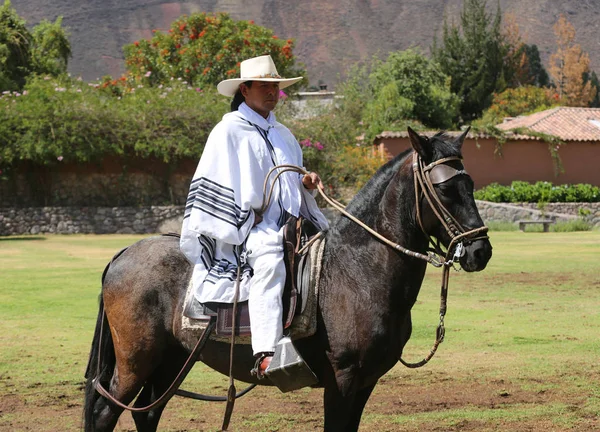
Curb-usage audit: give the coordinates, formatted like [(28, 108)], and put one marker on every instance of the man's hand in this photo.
[(257, 219), (311, 180)]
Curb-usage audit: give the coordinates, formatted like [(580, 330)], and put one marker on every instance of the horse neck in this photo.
[(387, 204)]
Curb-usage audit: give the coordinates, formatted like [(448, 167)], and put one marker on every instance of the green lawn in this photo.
[(524, 331)]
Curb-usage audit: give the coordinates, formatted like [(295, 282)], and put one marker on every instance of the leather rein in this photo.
[(425, 177)]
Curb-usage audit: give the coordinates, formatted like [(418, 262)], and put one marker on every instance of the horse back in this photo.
[(146, 282)]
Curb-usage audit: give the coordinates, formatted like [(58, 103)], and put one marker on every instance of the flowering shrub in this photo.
[(204, 49)]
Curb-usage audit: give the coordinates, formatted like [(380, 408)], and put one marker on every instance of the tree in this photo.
[(22, 53), (51, 48), (204, 49), (473, 56), (15, 45), (569, 67), (522, 62), (535, 69), (595, 103), (518, 101), (409, 86)]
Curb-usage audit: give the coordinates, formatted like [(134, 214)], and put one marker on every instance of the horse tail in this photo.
[(102, 360)]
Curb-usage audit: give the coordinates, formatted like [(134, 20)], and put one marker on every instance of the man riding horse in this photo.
[(223, 227)]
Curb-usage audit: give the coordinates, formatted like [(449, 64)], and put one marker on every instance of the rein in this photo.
[(174, 385), (425, 178), (187, 366)]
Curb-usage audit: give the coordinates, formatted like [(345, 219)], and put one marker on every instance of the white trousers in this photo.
[(265, 300)]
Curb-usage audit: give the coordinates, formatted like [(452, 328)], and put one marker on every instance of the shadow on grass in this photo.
[(19, 238)]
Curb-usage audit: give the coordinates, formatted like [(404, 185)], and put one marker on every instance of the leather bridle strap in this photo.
[(424, 186)]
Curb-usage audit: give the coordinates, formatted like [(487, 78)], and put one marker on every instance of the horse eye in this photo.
[(446, 189)]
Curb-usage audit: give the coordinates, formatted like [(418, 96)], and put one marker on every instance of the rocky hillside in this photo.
[(331, 35)]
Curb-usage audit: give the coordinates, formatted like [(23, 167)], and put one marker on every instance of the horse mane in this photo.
[(443, 146), (371, 194)]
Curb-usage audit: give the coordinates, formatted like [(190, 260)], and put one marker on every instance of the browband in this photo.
[(442, 172)]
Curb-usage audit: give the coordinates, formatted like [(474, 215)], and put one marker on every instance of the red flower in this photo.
[(182, 27), (136, 43), (202, 33)]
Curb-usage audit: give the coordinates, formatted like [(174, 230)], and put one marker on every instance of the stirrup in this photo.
[(257, 370)]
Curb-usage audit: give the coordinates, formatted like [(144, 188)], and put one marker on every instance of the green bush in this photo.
[(571, 226), (62, 119), (540, 192)]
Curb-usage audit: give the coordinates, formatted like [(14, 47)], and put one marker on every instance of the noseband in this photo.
[(426, 176)]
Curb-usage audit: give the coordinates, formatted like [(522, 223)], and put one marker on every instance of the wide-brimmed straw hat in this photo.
[(255, 69)]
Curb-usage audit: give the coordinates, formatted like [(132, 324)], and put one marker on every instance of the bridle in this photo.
[(425, 177)]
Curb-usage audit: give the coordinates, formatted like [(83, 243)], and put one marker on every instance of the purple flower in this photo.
[(282, 94), (147, 74), (318, 146), (60, 158), (306, 142)]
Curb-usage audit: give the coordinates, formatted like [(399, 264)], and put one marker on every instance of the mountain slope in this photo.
[(330, 35)]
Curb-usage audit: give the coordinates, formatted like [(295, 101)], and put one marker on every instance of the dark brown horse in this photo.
[(367, 290)]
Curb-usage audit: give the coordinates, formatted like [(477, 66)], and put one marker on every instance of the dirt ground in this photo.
[(266, 409)]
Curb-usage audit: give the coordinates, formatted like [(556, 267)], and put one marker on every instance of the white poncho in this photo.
[(226, 190)]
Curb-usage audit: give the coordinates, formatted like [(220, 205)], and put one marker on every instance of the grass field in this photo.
[(522, 347)]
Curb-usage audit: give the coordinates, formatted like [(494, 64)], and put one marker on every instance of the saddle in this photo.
[(297, 232)]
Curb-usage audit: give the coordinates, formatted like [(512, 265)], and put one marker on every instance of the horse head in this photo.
[(446, 208)]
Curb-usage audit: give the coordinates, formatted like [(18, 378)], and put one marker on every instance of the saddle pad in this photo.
[(195, 316)]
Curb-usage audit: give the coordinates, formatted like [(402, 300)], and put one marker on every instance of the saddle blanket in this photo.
[(303, 324)]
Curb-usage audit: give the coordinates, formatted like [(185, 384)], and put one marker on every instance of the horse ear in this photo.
[(459, 141), (422, 145)]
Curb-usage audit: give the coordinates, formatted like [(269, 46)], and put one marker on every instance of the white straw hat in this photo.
[(255, 69)]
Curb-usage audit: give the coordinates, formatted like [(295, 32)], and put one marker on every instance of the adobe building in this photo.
[(528, 154)]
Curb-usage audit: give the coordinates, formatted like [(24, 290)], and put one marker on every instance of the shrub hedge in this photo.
[(540, 192)]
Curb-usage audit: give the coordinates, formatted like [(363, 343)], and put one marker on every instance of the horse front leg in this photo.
[(343, 412)]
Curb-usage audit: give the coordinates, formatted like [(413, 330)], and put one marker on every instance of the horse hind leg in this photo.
[(122, 388), (158, 383), (131, 371)]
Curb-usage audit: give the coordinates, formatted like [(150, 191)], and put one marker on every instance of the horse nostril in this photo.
[(482, 253)]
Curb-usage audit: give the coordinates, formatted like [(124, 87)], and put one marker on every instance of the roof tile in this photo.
[(565, 123)]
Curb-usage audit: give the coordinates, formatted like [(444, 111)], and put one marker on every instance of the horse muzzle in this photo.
[(476, 256)]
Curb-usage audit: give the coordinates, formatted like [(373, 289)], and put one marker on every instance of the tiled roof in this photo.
[(454, 134), (566, 123)]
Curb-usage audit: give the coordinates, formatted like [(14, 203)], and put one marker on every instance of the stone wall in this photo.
[(559, 212), (163, 219), (90, 220)]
